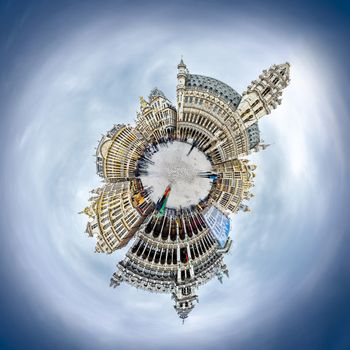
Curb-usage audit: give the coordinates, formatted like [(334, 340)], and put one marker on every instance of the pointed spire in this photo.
[(284, 69), (181, 64)]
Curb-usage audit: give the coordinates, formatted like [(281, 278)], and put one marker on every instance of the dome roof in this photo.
[(155, 93), (215, 87)]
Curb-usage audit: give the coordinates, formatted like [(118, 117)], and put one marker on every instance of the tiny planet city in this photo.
[(172, 182)]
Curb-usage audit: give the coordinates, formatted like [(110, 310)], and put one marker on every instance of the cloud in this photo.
[(91, 81)]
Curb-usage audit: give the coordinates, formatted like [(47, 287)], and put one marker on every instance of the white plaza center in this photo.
[(172, 166)]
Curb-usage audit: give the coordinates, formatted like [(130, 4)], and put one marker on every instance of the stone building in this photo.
[(176, 250), (235, 178), (174, 253), (264, 94), (204, 106), (118, 152), (157, 118), (117, 210), (223, 123)]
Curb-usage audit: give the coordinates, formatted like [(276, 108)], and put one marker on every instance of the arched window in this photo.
[(266, 91)]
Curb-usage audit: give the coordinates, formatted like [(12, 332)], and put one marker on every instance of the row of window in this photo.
[(170, 255)]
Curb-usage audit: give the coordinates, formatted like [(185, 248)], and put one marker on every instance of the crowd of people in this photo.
[(152, 148)]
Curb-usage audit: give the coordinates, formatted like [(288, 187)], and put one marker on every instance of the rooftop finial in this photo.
[(181, 64)]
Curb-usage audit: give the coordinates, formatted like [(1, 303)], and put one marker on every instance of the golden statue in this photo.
[(88, 211), (143, 102)]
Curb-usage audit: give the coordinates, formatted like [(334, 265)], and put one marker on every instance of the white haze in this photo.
[(92, 80)]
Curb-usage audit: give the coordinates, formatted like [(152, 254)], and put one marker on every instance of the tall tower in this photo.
[(181, 74), (184, 297), (263, 94), (180, 88)]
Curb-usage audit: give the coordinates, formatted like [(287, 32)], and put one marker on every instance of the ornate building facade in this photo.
[(157, 118), (235, 178), (118, 152), (176, 250), (117, 211)]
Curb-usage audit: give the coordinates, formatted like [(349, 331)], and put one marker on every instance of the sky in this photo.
[(70, 70)]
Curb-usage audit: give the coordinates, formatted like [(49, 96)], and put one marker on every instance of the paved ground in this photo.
[(173, 166)]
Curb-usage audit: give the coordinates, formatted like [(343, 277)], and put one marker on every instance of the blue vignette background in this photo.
[(69, 70)]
